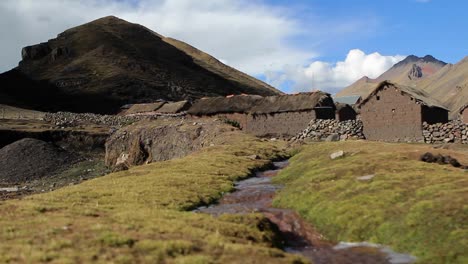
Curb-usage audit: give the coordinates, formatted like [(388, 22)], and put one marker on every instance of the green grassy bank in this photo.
[(140, 215), (409, 205)]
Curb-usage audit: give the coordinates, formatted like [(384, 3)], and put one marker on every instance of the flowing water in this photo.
[(255, 195)]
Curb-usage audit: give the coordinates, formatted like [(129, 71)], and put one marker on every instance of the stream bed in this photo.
[(255, 195)]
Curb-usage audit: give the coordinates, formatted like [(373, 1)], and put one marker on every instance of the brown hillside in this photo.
[(108, 62), (449, 85)]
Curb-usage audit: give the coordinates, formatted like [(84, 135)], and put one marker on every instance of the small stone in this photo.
[(337, 154), (254, 157), (366, 178)]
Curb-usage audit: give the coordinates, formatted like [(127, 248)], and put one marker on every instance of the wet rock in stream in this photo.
[(255, 195)]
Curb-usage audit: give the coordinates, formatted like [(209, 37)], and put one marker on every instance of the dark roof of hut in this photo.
[(292, 103), (418, 95), (340, 106), (351, 99), (175, 107), (223, 105), (143, 108)]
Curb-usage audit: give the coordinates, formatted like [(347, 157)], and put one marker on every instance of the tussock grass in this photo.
[(409, 205), (140, 215)]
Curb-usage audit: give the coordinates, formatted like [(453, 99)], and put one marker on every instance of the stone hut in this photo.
[(287, 115), (174, 107), (396, 113), (234, 107), (464, 114), (344, 112), (275, 116), (143, 108)]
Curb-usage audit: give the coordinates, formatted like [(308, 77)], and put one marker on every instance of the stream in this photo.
[(255, 195)]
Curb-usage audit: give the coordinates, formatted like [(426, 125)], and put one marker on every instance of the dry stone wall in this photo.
[(451, 132), (67, 119), (323, 129)]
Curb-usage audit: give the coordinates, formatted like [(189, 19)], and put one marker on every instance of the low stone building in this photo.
[(274, 116), (344, 112), (143, 108), (464, 114), (287, 115), (174, 107), (396, 113)]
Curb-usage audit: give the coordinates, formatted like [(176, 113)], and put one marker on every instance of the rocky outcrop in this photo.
[(321, 129), (415, 72), (158, 140), (35, 52), (451, 132)]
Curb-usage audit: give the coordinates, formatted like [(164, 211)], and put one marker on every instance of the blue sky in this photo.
[(295, 45), (436, 27)]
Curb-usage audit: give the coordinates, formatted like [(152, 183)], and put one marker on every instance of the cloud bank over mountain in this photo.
[(332, 77)]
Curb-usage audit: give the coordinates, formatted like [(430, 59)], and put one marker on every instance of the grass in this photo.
[(140, 215), (409, 205)]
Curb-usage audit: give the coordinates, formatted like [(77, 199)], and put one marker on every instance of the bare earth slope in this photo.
[(407, 72), (113, 62), (449, 85)]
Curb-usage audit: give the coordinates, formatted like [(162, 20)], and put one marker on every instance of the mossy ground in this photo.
[(140, 215), (409, 205)]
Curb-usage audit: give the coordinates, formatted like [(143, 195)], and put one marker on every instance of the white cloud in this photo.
[(333, 77)]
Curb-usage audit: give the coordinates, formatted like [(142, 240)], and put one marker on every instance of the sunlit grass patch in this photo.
[(410, 205)]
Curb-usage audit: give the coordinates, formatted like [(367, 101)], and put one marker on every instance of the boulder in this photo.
[(333, 137), (336, 155)]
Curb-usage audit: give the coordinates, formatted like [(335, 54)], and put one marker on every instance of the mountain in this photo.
[(449, 85), (407, 72), (101, 65)]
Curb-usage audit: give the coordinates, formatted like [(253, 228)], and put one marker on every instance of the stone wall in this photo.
[(464, 115), (67, 119), (454, 131), (321, 129)]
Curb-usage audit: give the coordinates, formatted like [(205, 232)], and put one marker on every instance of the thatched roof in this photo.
[(174, 108), (143, 108), (223, 105), (419, 95), (292, 103)]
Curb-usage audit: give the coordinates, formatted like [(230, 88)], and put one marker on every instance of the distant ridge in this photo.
[(407, 72), (103, 64)]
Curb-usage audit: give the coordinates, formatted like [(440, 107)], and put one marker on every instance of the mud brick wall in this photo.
[(392, 116), (464, 116), (287, 124), (238, 117)]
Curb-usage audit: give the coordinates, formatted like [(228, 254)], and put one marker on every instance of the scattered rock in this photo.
[(254, 157), (440, 159), (30, 159), (366, 178), (337, 154), (9, 189), (333, 137)]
